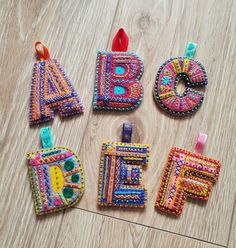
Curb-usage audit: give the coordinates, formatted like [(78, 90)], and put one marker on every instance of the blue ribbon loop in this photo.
[(127, 132)]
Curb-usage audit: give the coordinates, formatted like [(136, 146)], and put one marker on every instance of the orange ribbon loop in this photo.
[(42, 50)]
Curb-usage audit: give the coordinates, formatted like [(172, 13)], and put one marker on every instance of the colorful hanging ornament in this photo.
[(120, 177), (170, 74), (56, 176), (51, 90), (117, 85), (187, 174)]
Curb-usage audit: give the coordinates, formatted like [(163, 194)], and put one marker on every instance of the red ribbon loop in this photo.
[(120, 41), (42, 50)]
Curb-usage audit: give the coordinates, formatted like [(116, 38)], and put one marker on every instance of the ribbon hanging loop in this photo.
[(42, 50), (201, 140), (120, 41)]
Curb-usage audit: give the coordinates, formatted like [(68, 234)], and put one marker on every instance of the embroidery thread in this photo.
[(51, 90), (170, 74), (120, 177), (187, 174), (56, 176), (117, 85)]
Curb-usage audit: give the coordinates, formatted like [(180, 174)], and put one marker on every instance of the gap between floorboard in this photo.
[(151, 227)]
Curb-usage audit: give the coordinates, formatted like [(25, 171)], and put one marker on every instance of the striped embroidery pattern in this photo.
[(186, 174), (120, 179), (117, 85), (51, 90)]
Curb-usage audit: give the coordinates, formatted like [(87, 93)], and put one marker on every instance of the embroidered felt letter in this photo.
[(51, 90), (173, 71), (121, 166), (186, 174), (56, 176), (121, 175), (118, 73)]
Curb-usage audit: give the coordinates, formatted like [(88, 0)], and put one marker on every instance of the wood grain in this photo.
[(63, 26), (74, 31), (232, 236), (91, 230), (159, 30)]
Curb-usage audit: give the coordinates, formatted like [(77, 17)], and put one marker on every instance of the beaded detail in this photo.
[(57, 179), (51, 90), (117, 85), (120, 177), (186, 174), (170, 73)]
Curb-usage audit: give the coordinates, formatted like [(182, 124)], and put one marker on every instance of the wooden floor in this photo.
[(74, 31)]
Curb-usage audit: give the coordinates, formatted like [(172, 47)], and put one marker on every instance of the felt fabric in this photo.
[(51, 90)]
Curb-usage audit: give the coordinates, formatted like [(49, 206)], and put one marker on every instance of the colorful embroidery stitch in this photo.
[(117, 85), (186, 174), (120, 178), (56, 177), (51, 90), (170, 73)]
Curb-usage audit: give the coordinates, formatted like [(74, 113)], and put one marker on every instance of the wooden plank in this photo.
[(159, 30), (232, 236), (72, 30), (84, 229)]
